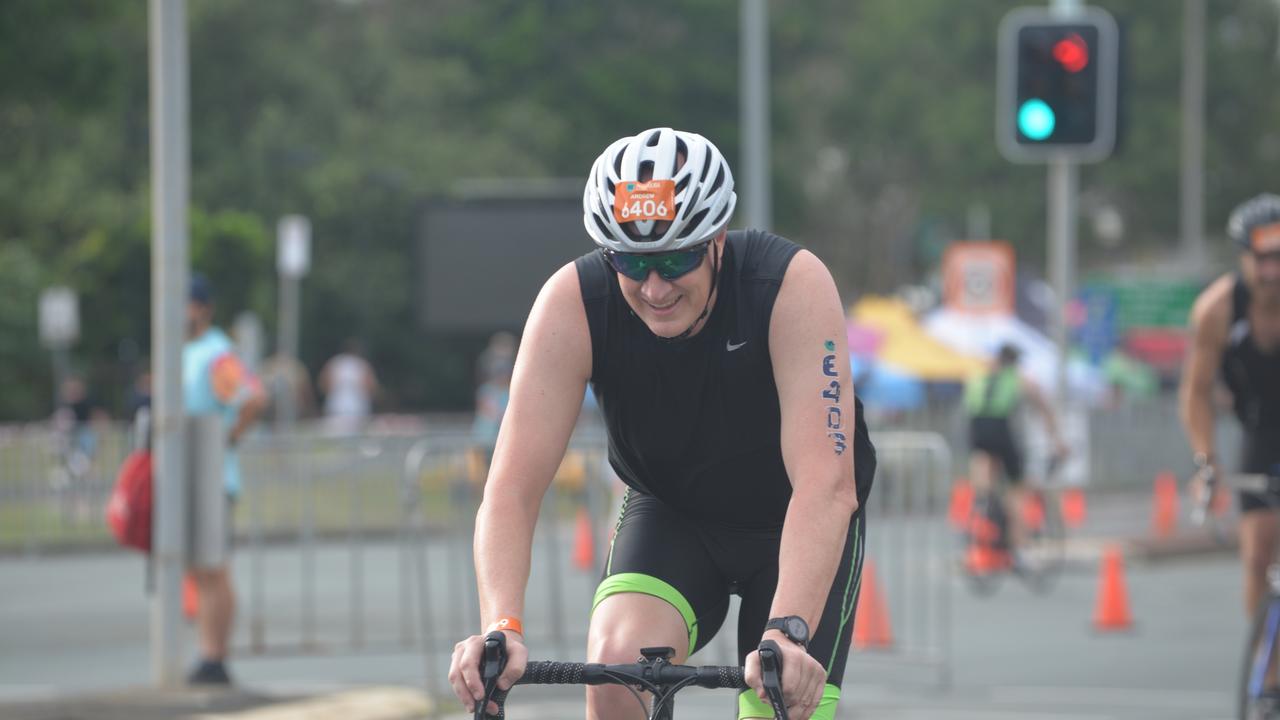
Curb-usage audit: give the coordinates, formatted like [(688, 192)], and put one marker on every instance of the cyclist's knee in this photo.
[(622, 624)]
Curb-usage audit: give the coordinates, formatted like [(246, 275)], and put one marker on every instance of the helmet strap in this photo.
[(706, 306)]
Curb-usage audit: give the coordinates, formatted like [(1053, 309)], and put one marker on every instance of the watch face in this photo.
[(797, 629)]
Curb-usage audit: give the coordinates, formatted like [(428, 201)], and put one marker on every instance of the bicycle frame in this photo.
[(1266, 648)]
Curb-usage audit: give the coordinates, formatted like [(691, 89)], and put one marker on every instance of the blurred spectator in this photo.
[(216, 382), (75, 420), (497, 357), (494, 376), (76, 414), (139, 409), (288, 381), (349, 383)]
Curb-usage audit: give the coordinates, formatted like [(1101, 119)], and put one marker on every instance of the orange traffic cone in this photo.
[(1112, 612), (961, 502), (1073, 507), (1164, 510), (584, 550), (190, 597), (871, 627)]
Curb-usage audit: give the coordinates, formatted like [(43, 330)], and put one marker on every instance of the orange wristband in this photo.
[(507, 623)]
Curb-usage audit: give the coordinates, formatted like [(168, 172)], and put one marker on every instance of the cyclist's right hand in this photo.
[(464, 669), (1201, 488)]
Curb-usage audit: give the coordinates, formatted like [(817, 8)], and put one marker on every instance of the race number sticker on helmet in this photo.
[(653, 200), (1266, 238)]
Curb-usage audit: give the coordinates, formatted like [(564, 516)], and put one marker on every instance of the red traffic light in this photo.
[(1072, 53)]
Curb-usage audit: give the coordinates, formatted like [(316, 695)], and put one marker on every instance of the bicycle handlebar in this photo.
[(1264, 484), (652, 673), (550, 672)]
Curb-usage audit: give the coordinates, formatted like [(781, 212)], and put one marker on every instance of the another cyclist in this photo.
[(720, 368), (991, 400), (1235, 335)]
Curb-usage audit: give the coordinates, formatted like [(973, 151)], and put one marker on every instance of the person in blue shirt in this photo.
[(216, 382)]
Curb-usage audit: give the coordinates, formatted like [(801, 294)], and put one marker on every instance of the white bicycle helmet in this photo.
[(1255, 212), (704, 197)]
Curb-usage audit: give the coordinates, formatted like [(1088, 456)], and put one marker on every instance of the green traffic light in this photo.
[(1036, 119)]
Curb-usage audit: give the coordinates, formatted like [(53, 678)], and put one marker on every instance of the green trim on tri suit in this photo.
[(649, 585)]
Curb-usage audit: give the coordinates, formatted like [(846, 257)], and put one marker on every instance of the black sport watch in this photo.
[(793, 626)]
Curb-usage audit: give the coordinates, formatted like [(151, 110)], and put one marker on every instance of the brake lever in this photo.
[(771, 677), (491, 666)]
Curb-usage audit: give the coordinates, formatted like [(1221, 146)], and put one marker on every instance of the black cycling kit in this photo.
[(1254, 380), (694, 430)]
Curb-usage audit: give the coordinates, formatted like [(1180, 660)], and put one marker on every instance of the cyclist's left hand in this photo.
[(803, 677)]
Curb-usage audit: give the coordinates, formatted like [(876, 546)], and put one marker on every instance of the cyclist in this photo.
[(718, 363), (1235, 335), (991, 400)]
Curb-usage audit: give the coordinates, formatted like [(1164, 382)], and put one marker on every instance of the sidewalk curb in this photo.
[(1145, 549), (364, 703)]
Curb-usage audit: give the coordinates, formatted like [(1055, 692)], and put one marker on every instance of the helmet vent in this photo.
[(719, 180), (695, 222)]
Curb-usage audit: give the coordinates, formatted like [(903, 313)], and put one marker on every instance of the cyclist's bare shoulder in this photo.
[(557, 332), (1211, 313)]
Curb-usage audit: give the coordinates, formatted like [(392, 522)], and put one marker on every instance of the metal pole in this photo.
[(1064, 182), (1192, 182), (169, 196), (1064, 190), (287, 348), (754, 84)]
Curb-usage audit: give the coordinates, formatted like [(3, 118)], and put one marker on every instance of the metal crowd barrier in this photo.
[(568, 555), (54, 484), (910, 546)]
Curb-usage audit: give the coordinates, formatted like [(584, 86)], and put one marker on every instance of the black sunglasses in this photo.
[(669, 265)]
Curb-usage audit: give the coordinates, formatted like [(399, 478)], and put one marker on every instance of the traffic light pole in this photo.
[(1064, 190), (1064, 185)]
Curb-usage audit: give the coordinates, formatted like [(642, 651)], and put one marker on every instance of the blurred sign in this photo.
[(1097, 332), (978, 277), (293, 251), (483, 260), (59, 317), (1149, 303)]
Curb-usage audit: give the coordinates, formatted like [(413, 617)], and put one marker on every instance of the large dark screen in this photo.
[(482, 262)]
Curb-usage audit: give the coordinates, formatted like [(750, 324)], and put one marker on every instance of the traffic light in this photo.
[(1057, 85)]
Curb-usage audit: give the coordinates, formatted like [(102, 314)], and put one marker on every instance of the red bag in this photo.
[(129, 509)]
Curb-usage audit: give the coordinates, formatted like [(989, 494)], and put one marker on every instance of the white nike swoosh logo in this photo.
[(731, 347)]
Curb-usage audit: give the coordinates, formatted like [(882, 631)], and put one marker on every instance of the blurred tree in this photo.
[(353, 111)]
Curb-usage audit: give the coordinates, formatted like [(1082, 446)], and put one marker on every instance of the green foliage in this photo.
[(25, 369), (353, 112)]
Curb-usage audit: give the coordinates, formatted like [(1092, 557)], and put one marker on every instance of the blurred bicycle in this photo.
[(988, 545), (1258, 690)]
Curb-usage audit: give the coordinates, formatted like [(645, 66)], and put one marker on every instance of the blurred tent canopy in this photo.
[(906, 347), (982, 336)]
